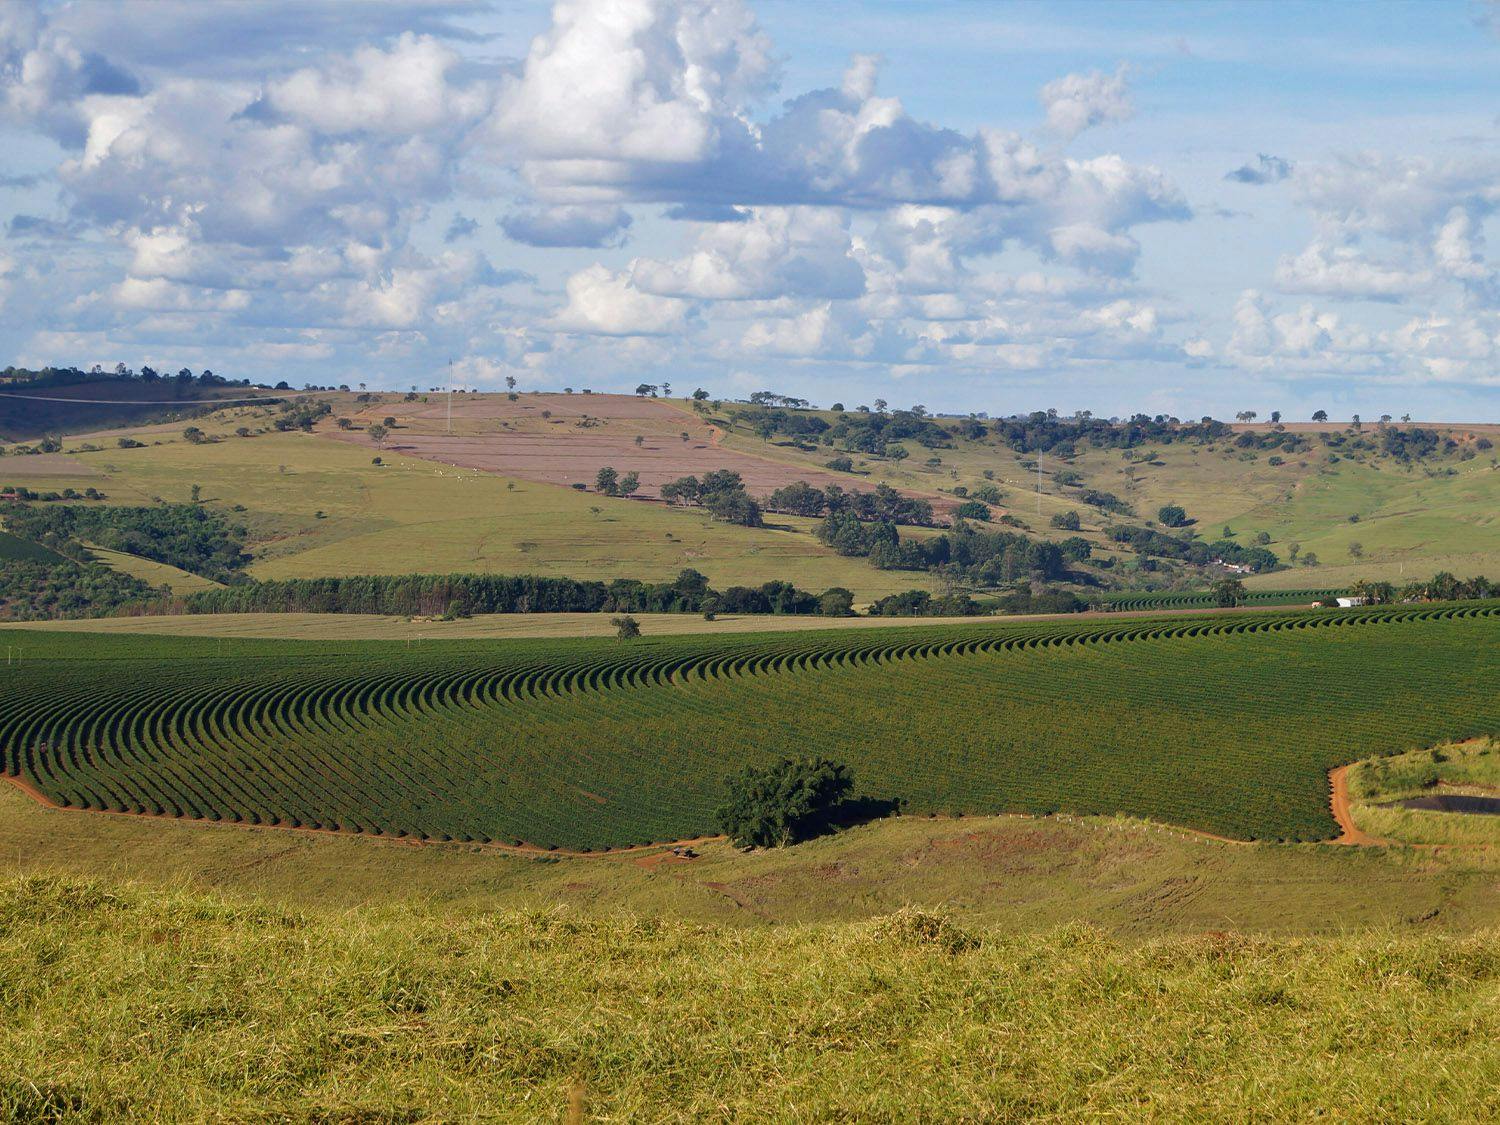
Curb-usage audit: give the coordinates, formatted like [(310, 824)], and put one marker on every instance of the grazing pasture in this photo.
[(1226, 724)]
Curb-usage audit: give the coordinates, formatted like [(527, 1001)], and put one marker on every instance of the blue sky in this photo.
[(1181, 208)]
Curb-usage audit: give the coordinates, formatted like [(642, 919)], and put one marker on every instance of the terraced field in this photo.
[(1226, 724)]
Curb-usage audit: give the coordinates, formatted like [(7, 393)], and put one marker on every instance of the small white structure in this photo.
[(1350, 603)]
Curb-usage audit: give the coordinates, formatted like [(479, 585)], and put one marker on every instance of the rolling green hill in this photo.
[(494, 498)]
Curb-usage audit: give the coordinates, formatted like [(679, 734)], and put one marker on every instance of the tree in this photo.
[(897, 453), (1170, 515), (344, 423), (1245, 416), (645, 389), (627, 628), (836, 602), (880, 405), (639, 441), (607, 481), (1275, 417), (389, 423), (1358, 425), (196, 492), (510, 382), (1067, 521), (782, 803), (376, 432), (1356, 549), (699, 395), (628, 484), (1320, 416), (1228, 592), (194, 435)]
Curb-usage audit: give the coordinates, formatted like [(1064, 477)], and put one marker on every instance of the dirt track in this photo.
[(1338, 781)]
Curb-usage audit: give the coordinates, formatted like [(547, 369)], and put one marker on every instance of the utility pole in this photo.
[(450, 395)]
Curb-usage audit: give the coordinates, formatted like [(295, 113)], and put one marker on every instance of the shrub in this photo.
[(782, 803), (626, 627)]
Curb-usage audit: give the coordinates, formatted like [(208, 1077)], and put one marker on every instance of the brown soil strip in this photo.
[(405, 841), (1351, 833)]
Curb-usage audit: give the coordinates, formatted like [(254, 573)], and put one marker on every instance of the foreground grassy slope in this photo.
[(1226, 724), (1012, 874), (125, 1004)]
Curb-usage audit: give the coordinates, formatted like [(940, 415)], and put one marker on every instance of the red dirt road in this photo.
[(1351, 833)]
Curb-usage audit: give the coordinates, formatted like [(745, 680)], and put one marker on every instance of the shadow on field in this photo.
[(853, 812)]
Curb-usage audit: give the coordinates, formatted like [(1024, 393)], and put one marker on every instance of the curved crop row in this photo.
[(1224, 723)]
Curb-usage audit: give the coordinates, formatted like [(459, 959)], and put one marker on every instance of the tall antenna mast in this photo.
[(450, 394)]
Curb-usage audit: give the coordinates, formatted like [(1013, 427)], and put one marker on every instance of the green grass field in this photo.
[(408, 516), (592, 744), (124, 1004)]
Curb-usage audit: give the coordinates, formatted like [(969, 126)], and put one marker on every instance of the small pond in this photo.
[(1451, 802)]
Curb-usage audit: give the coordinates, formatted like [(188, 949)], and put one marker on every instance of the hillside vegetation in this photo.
[(124, 1003), (512, 491), (590, 744)]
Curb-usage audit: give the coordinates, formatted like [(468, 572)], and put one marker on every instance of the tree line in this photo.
[(463, 594)]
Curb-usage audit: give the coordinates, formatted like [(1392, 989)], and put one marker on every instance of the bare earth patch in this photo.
[(584, 434)]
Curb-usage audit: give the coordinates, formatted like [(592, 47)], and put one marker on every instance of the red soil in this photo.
[(493, 434)]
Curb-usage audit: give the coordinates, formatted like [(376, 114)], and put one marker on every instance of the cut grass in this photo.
[(127, 1004)]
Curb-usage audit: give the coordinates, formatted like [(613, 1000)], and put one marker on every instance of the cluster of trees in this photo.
[(920, 603), (63, 376), (721, 492), (611, 483), (461, 594), (964, 552), (883, 504), (36, 590), (188, 536), (302, 415), (780, 804), (1441, 587), (1147, 541), (21, 492)]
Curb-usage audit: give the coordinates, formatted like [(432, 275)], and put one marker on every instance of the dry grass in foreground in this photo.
[(124, 1003)]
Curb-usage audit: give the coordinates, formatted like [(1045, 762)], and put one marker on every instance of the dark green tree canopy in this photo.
[(783, 803)]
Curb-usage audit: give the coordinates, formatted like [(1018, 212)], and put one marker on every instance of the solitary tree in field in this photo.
[(607, 481), (699, 395), (510, 382), (626, 627), (1228, 592), (628, 484), (1320, 416), (1171, 515), (389, 423), (376, 432), (783, 803)]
